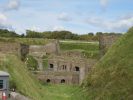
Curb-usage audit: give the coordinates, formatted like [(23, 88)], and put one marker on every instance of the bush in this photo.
[(31, 62)]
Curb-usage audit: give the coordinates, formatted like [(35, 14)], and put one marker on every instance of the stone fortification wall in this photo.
[(40, 50), (59, 77), (13, 48), (73, 54), (78, 67), (105, 41)]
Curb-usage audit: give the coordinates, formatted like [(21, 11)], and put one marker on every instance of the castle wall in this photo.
[(106, 41), (11, 48), (40, 50), (14, 48), (58, 77), (74, 65)]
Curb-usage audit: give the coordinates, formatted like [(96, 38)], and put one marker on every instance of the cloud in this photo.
[(4, 24), (104, 3), (34, 28), (13, 5), (120, 25), (64, 17), (2, 17), (58, 28)]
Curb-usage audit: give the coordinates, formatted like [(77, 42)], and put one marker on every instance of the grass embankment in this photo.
[(89, 49), (28, 41), (21, 77), (112, 77), (29, 86)]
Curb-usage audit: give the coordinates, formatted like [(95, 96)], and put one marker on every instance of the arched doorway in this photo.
[(48, 81), (62, 81)]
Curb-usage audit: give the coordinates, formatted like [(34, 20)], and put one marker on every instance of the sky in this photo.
[(77, 16)]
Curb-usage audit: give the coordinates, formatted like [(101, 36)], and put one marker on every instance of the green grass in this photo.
[(112, 77), (28, 41), (79, 46), (24, 81), (89, 49), (60, 92)]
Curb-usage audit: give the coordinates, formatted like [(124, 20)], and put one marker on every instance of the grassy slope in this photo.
[(91, 50), (29, 86), (112, 77), (21, 77)]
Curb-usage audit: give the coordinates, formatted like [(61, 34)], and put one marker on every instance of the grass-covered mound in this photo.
[(20, 77), (112, 77)]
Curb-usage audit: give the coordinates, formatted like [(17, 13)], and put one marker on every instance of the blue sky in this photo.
[(78, 16)]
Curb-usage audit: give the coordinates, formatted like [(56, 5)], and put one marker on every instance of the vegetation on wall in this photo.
[(32, 63), (45, 62)]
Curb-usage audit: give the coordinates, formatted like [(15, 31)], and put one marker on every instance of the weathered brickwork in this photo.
[(70, 69), (106, 41)]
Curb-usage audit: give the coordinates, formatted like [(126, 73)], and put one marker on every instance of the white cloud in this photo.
[(104, 3), (64, 17), (13, 4), (34, 28), (2, 17), (58, 28), (119, 25), (4, 24)]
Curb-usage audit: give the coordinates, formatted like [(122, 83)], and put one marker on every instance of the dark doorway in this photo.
[(77, 68), (48, 80), (51, 66), (62, 81)]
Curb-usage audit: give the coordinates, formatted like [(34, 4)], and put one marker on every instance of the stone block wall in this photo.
[(59, 77), (78, 67), (11, 48), (106, 41), (40, 50)]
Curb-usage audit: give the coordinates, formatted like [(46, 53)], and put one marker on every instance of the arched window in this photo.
[(77, 68), (48, 80), (62, 81)]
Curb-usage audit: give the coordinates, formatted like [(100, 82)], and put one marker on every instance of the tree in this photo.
[(7, 33), (91, 34)]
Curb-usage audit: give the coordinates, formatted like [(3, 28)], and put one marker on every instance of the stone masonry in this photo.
[(106, 41), (69, 70)]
